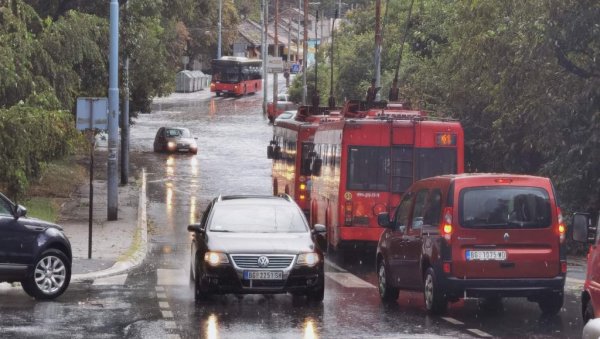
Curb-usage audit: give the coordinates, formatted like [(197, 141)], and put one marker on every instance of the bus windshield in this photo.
[(235, 71), (226, 74)]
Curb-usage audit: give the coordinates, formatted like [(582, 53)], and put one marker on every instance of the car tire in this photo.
[(387, 292), (588, 312), (199, 294), (317, 294), (551, 303), (435, 301), (50, 276)]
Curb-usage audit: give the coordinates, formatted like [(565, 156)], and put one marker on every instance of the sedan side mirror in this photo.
[(195, 228), (20, 212), (319, 228), (583, 231), (383, 219)]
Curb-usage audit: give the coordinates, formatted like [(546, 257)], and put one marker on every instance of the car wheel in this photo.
[(551, 303), (218, 94), (50, 276), (317, 294), (588, 312), (199, 294), (387, 292), (435, 301)]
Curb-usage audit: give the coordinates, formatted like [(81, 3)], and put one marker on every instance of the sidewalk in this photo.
[(117, 246)]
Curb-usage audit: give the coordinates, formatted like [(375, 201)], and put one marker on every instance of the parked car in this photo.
[(585, 230), (283, 104), (175, 139), (33, 252), (475, 235), (256, 244)]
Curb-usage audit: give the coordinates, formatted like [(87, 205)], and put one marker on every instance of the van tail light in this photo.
[(348, 213), (302, 190), (561, 226), (563, 267), (447, 224), (447, 267)]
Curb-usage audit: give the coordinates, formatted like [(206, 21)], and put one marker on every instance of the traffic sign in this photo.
[(275, 65)]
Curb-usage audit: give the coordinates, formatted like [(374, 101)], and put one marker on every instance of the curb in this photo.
[(138, 256)]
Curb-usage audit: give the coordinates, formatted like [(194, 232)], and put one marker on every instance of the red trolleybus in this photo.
[(292, 151), (363, 165), (236, 75)]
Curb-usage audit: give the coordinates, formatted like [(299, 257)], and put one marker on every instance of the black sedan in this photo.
[(33, 252), (256, 244), (175, 139)]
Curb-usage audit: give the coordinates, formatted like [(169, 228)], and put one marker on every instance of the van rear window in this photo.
[(504, 207)]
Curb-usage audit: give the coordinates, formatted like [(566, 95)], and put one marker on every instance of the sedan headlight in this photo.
[(215, 258), (308, 259), (171, 145)]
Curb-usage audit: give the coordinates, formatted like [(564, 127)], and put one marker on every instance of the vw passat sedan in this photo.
[(33, 252), (175, 139), (256, 244)]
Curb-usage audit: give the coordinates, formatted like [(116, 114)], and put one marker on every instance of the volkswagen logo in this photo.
[(263, 261), (506, 237)]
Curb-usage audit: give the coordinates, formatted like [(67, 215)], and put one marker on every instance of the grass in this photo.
[(58, 181)]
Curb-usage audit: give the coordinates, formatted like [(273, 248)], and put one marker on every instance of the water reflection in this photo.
[(309, 329), (194, 164), (192, 209), (211, 328)]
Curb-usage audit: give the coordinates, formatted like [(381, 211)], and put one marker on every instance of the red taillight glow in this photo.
[(348, 213), (563, 267), (561, 226), (302, 197), (302, 187), (447, 267), (503, 181), (447, 224)]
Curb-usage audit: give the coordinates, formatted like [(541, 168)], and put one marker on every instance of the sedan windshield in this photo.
[(257, 219), (178, 133)]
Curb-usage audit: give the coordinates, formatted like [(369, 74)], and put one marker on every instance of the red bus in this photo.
[(236, 75), (291, 150), (363, 165)]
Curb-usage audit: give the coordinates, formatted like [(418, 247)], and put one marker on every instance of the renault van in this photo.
[(475, 235)]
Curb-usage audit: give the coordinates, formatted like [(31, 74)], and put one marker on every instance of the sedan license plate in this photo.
[(263, 275), (182, 150), (486, 255)]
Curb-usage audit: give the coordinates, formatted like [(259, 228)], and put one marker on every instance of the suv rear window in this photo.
[(504, 207)]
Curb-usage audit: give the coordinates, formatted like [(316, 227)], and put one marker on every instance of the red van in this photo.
[(475, 235), (587, 232)]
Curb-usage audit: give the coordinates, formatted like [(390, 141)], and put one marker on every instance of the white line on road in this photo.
[(159, 288), (332, 264), (170, 325), (172, 277), (163, 304), (113, 280), (167, 314), (348, 280), (161, 295), (453, 321), (479, 332)]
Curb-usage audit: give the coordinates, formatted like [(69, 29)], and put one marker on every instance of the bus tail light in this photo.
[(447, 224), (563, 266), (447, 267), (302, 189), (561, 226), (348, 213)]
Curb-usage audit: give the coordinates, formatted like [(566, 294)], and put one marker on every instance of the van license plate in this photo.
[(485, 255), (263, 275)]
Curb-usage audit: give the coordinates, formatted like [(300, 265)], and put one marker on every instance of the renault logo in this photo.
[(506, 237), (263, 261)]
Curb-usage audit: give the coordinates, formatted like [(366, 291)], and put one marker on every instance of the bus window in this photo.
[(435, 161), (368, 168), (402, 168), (307, 149)]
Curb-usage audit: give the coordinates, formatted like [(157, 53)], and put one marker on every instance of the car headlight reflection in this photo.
[(215, 258), (308, 259)]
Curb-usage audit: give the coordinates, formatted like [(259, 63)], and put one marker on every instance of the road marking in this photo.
[(167, 314), (113, 280), (332, 264), (479, 332), (163, 304), (173, 336), (161, 295), (170, 325), (159, 288), (348, 280), (453, 321), (172, 277)]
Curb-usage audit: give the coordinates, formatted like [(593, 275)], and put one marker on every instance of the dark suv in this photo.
[(475, 235), (256, 244), (33, 252)]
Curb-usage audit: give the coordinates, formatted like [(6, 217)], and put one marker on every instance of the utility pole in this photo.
[(219, 43), (316, 52), (298, 39), (331, 101), (276, 54), (265, 51), (304, 52), (125, 116), (377, 47), (113, 112)]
